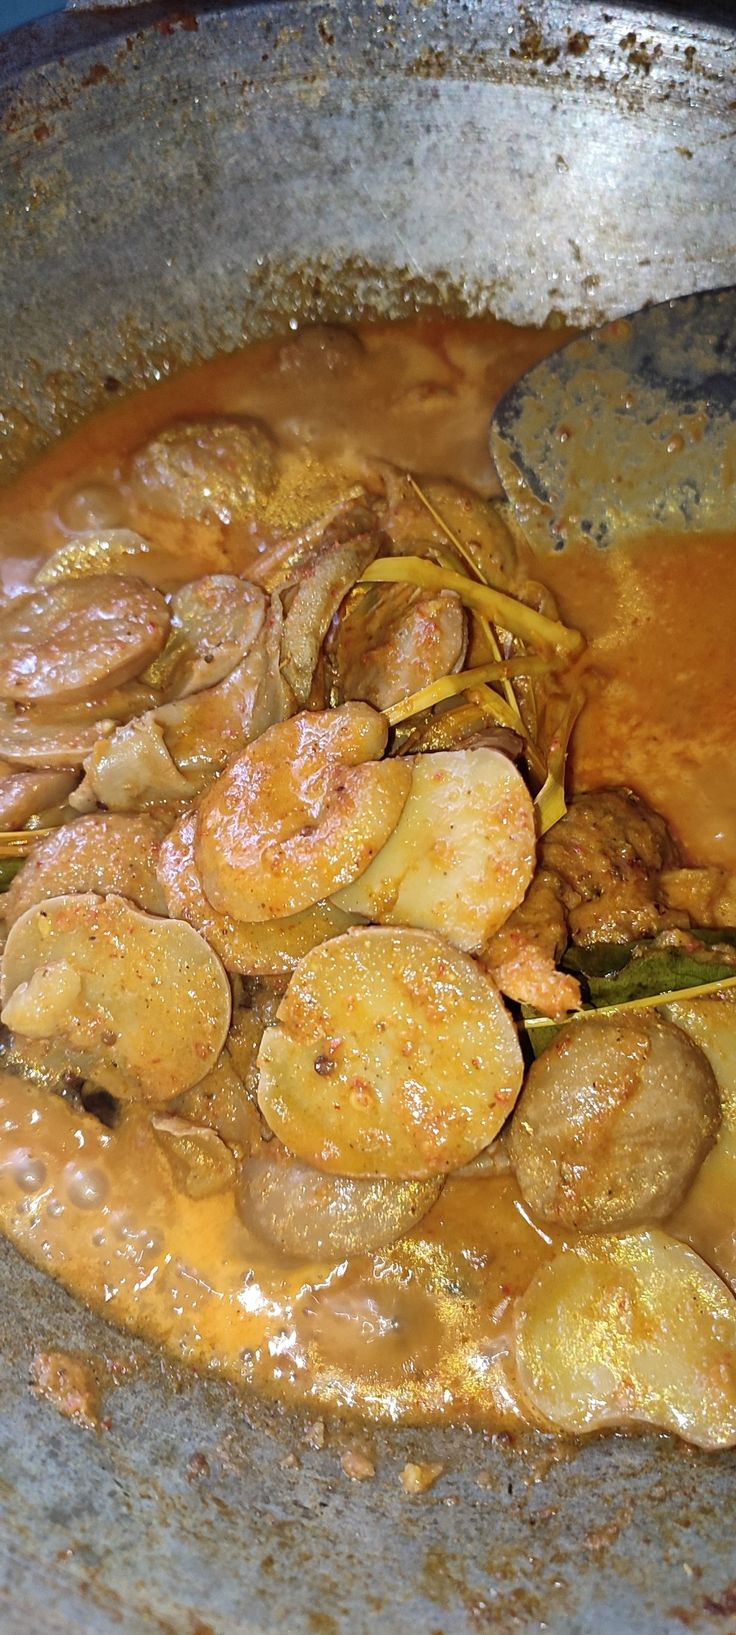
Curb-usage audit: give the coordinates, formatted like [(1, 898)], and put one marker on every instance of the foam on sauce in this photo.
[(420, 1331)]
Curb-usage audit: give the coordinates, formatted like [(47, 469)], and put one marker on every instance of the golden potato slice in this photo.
[(630, 1330), (263, 948), (462, 854), (140, 1005), (392, 1055), (103, 852), (79, 635), (114, 550), (301, 813), (216, 470)]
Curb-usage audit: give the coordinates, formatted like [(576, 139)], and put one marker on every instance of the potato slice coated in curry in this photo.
[(300, 813), (78, 636), (630, 1330), (462, 854), (102, 852), (252, 948), (392, 1055), (140, 1005)]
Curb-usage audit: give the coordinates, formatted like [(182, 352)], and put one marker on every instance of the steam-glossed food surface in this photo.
[(369, 908)]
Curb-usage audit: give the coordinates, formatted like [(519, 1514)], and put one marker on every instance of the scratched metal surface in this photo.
[(169, 182), (627, 429)]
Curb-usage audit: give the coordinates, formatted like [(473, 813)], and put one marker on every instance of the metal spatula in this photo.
[(629, 428)]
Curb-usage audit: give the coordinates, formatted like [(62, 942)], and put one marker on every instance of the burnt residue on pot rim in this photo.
[(111, 123)]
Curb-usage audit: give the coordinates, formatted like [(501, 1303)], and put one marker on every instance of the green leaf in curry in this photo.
[(623, 975)]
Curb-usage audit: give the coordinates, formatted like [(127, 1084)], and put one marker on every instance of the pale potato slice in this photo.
[(79, 635), (138, 1004), (308, 1214), (462, 854), (301, 813), (706, 1217), (263, 948), (392, 1055), (103, 852), (630, 1330)]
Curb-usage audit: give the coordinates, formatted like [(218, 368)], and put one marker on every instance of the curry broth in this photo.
[(421, 1330)]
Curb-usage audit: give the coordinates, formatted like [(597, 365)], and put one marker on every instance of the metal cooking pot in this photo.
[(172, 181)]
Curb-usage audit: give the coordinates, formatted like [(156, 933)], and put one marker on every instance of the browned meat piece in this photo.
[(396, 639), (24, 795), (598, 881), (522, 957), (608, 852), (68, 1383), (708, 896)]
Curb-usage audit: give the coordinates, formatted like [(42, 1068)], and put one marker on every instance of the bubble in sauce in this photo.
[(28, 1173), (86, 1188), (96, 505)]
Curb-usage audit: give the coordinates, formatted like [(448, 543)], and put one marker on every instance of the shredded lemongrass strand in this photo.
[(649, 1002), (461, 548), (461, 682), (506, 610), (550, 803), (17, 842)]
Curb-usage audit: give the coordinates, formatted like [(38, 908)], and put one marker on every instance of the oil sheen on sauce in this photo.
[(420, 1331)]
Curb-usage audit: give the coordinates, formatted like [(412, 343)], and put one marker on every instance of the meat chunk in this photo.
[(396, 639), (599, 880)]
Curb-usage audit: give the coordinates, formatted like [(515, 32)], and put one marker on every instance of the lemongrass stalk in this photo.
[(515, 616), (460, 682)]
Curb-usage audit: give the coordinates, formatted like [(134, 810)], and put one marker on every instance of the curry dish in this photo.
[(369, 971)]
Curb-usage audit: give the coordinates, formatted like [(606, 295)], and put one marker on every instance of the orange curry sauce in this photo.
[(419, 1331)]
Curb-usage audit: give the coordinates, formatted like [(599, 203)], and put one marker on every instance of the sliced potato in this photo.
[(392, 1055), (630, 1330), (75, 637), (306, 1213), (140, 1005), (462, 854), (103, 852), (114, 550), (262, 948), (302, 812)]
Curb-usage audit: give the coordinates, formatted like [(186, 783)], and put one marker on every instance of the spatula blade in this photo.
[(627, 429)]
